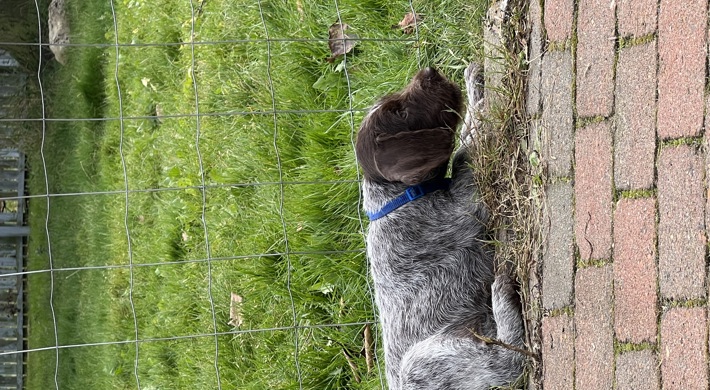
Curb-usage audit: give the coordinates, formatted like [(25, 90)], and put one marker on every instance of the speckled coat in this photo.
[(433, 274)]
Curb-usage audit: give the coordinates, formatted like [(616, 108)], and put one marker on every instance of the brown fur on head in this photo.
[(408, 136)]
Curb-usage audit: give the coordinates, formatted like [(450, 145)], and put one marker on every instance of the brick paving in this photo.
[(594, 338), (619, 98), (635, 131), (635, 276), (558, 347), (636, 370)]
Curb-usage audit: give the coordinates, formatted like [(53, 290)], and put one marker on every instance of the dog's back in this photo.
[(433, 274)]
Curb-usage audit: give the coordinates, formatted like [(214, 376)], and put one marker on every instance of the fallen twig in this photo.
[(489, 340)]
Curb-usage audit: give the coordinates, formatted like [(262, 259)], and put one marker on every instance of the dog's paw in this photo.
[(507, 310), (505, 294), (473, 77), (503, 287)]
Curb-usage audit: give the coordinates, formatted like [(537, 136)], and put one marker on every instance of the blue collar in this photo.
[(410, 194)]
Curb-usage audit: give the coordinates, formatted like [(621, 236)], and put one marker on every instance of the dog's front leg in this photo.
[(460, 169)]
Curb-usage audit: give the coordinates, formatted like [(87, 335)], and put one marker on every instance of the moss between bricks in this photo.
[(623, 347), (637, 194), (683, 303), (574, 41), (567, 310), (635, 41), (690, 141), (559, 46), (582, 122), (560, 179), (592, 263)]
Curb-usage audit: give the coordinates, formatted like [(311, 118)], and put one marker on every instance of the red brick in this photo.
[(637, 370), (558, 255), (635, 278), (594, 347), (682, 27), (635, 119), (681, 228), (558, 352), (593, 191), (636, 17), (683, 346), (557, 126), (558, 19), (595, 58)]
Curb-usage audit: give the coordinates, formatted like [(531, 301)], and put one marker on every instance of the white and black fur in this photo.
[(434, 278)]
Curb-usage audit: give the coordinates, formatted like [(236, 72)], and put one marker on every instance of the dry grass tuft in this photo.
[(510, 177)]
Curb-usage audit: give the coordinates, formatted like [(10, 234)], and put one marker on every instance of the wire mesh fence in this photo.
[(193, 192)]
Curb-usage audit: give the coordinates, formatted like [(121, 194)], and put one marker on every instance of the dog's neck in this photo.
[(377, 194), (382, 198)]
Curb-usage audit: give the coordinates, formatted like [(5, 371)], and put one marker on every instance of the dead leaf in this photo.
[(353, 366), (339, 42), (368, 348), (409, 23), (235, 311)]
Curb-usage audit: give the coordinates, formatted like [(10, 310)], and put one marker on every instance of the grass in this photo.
[(292, 252)]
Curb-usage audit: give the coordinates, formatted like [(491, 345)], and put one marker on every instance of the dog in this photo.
[(440, 302)]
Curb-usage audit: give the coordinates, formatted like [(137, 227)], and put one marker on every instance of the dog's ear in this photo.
[(411, 156)]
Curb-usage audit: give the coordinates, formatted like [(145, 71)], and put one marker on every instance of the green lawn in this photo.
[(293, 252)]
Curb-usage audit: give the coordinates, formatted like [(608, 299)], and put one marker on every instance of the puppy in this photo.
[(434, 280)]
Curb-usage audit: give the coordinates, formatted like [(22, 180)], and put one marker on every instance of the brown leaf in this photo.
[(368, 347), (353, 366), (339, 42), (409, 22)]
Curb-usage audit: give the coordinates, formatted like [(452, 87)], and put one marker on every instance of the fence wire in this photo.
[(129, 241), (287, 255), (203, 192), (351, 121), (46, 186), (130, 190)]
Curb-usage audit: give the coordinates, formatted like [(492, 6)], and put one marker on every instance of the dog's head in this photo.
[(408, 136)]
